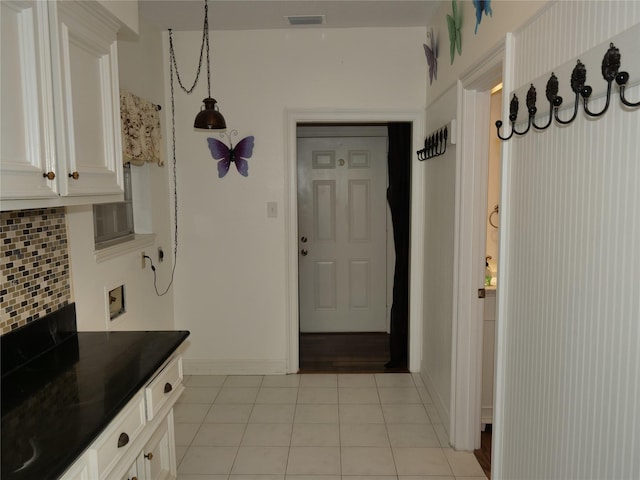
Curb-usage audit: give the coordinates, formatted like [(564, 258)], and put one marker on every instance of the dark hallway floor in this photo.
[(345, 353), (483, 454)]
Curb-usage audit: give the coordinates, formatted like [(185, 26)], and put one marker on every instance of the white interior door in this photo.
[(342, 234)]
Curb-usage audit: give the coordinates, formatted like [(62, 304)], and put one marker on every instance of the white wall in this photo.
[(569, 363), (127, 14), (440, 181), (493, 184), (508, 16), (141, 72), (439, 208), (231, 285)]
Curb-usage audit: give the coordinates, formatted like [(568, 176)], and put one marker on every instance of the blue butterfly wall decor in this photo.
[(482, 6), (226, 155), (431, 51), (454, 24)]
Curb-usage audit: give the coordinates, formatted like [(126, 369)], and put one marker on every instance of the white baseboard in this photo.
[(487, 415), (233, 367), (441, 407)]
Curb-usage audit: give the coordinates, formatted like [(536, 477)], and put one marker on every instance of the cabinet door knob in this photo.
[(74, 175), (123, 439), (148, 456), (167, 387), (134, 478), (49, 175)]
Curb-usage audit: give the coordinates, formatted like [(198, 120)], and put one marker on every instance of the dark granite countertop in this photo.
[(54, 406)]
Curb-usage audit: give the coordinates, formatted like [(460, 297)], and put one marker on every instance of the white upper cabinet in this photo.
[(61, 140), (86, 99), (27, 144)]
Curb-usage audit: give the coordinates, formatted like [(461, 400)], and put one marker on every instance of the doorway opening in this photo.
[(353, 204), (332, 116), (489, 320)]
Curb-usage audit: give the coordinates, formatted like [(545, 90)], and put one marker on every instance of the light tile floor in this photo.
[(314, 427)]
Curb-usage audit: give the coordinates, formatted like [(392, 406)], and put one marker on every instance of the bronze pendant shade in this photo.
[(209, 118)]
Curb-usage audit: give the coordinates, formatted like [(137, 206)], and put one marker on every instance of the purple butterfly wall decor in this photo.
[(226, 155), (431, 52)]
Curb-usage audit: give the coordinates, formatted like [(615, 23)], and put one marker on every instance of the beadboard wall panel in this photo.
[(566, 30), (569, 378)]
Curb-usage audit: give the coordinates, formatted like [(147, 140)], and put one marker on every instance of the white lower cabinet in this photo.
[(79, 470), (139, 444), (157, 459), (132, 474), (158, 456)]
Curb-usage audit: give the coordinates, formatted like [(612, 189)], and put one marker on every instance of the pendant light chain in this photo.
[(205, 41), (206, 34), (173, 67), (175, 191)]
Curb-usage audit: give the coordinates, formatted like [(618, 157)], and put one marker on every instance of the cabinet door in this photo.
[(85, 79), (132, 473), (80, 470), (159, 453), (27, 137)]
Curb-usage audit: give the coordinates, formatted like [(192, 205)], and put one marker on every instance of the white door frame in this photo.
[(416, 254), (469, 248)]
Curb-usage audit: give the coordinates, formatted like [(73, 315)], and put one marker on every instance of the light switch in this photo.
[(272, 209)]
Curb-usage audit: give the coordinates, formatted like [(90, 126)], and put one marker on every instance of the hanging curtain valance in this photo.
[(141, 135)]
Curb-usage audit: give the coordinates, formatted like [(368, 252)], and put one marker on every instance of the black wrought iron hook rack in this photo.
[(610, 72), (436, 143)]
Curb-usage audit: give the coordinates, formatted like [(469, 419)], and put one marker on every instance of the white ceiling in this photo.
[(266, 14)]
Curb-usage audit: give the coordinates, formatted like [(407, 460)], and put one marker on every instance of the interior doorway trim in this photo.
[(469, 248), (416, 274)]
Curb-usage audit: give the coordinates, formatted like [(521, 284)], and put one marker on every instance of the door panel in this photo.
[(324, 210), (325, 281), (359, 211), (342, 234)]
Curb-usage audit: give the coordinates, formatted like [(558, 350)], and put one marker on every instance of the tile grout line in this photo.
[(340, 445)]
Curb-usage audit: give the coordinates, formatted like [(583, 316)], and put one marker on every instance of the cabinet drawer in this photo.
[(162, 386), (122, 432)]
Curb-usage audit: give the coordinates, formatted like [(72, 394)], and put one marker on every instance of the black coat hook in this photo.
[(551, 94), (621, 79), (434, 144), (610, 71), (610, 67), (578, 77)]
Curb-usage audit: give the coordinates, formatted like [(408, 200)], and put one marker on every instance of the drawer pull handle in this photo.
[(123, 440), (74, 175), (49, 175), (148, 456), (167, 387)]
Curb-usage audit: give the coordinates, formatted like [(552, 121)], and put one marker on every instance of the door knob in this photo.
[(304, 239), (304, 252)]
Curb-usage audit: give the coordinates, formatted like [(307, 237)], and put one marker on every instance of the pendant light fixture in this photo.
[(209, 117)]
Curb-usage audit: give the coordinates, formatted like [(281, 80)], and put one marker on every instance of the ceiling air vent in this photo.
[(306, 19)]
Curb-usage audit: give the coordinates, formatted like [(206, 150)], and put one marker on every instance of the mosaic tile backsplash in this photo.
[(35, 265)]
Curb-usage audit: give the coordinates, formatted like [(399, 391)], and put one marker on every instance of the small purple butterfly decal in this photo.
[(237, 154), (431, 51)]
